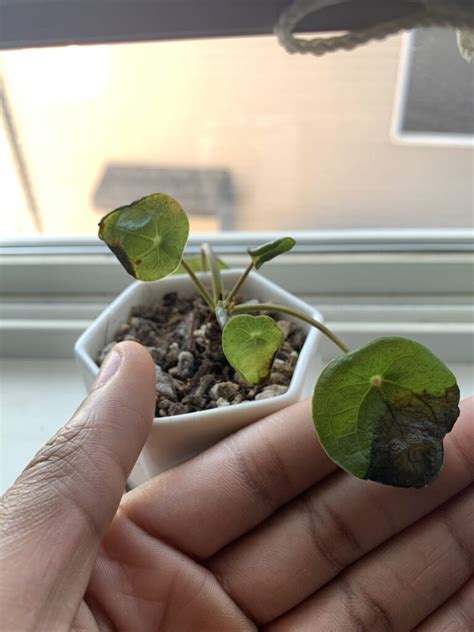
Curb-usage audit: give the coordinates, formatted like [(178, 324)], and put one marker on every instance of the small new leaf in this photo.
[(250, 344), (382, 411), (148, 236), (269, 251)]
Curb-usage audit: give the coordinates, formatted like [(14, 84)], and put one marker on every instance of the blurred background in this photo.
[(366, 157), (244, 135)]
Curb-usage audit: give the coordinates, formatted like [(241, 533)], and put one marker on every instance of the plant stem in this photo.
[(271, 307), (203, 260), (238, 284), (217, 288), (222, 314), (199, 286)]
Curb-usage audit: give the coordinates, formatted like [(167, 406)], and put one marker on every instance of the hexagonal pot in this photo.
[(176, 439)]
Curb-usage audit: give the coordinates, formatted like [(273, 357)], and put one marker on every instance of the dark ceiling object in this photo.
[(29, 23)]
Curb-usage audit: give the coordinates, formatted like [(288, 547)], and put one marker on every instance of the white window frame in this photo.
[(418, 284)]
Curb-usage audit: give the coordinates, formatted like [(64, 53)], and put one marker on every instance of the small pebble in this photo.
[(279, 378), (297, 338), (236, 378), (281, 366), (200, 343), (180, 330), (293, 359), (285, 326), (271, 391), (177, 409), (164, 384), (185, 366), (157, 353), (222, 402), (227, 390), (165, 404), (204, 385), (172, 353)]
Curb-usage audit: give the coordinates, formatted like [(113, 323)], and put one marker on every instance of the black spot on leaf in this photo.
[(407, 448)]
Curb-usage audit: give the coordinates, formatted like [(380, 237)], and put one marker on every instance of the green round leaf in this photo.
[(269, 251), (250, 344), (148, 236), (382, 411)]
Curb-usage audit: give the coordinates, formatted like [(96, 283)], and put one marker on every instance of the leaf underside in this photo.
[(267, 252), (148, 236), (382, 411), (250, 344)]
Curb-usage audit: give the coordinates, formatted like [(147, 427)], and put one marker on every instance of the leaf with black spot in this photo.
[(148, 237), (382, 411)]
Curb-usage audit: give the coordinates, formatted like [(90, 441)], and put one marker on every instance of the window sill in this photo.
[(30, 418)]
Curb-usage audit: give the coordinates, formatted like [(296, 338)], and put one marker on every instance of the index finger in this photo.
[(212, 499)]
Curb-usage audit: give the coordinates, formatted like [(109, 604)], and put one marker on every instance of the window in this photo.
[(251, 140), (435, 96), (247, 137)]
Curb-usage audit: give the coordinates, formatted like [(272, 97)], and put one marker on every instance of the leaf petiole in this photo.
[(217, 287), (203, 260), (239, 283), (271, 307), (199, 286)]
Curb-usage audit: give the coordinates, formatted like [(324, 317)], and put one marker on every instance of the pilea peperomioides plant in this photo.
[(381, 411)]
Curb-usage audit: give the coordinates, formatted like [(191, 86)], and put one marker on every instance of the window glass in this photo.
[(436, 102), (244, 135)]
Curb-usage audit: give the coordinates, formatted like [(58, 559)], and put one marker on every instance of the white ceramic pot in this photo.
[(176, 439)]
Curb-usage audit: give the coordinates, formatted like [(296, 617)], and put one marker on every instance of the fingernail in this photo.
[(108, 369)]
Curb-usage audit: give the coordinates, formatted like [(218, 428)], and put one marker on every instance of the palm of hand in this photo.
[(257, 532), (260, 531)]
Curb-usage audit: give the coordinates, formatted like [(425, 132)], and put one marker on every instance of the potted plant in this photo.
[(381, 411)]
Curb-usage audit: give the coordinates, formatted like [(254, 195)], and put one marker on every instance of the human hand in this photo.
[(260, 531)]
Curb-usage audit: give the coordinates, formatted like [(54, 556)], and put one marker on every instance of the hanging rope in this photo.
[(457, 14)]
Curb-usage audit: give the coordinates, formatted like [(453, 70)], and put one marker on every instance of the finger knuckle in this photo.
[(57, 458), (364, 610), (264, 477), (332, 538)]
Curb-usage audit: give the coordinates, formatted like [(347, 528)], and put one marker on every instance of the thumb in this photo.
[(56, 513)]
